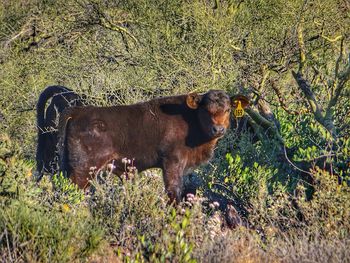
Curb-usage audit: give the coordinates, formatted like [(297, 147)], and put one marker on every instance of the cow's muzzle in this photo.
[(218, 130)]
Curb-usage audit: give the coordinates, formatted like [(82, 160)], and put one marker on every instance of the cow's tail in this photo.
[(48, 93), (62, 141)]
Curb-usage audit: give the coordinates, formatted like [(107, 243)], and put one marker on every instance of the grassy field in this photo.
[(277, 189)]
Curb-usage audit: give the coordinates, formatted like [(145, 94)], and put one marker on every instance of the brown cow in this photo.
[(175, 134)]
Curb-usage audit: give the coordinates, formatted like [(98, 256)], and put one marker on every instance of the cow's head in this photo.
[(213, 109)]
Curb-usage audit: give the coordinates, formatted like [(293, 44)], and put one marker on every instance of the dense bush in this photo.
[(283, 169)]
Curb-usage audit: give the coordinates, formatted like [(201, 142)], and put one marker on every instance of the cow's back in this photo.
[(142, 131)]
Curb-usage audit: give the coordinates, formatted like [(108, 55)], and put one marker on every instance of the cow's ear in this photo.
[(243, 99), (193, 100)]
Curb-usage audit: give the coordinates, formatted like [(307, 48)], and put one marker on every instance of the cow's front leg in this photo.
[(173, 170)]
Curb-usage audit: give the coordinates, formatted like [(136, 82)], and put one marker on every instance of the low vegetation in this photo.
[(277, 189)]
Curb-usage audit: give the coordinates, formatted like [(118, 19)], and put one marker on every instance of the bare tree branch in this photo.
[(337, 64), (340, 80), (111, 26), (310, 96), (266, 124), (281, 100), (302, 52)]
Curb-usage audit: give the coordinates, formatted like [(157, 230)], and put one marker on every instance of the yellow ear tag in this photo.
[(239, 111)]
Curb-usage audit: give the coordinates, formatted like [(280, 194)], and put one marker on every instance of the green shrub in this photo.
[(138, 220), (43, 234), (38, 223)]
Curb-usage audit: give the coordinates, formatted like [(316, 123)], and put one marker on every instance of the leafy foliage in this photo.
[(285, 164)]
